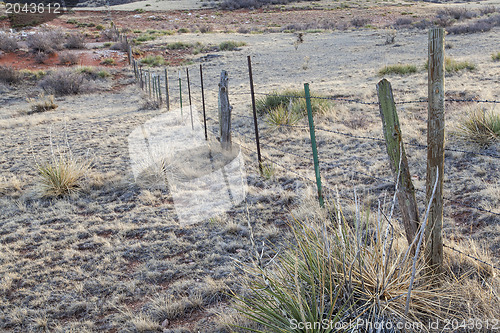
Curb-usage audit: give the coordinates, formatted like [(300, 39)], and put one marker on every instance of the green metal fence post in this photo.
[(313, 144)]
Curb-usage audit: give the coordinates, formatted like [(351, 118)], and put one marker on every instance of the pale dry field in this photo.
[(114, 257)]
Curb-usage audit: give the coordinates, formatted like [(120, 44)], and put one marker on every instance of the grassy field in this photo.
[(84, 247)]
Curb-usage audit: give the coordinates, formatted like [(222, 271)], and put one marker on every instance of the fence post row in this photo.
[(399, 162), (313, 144), (435, 149), (252, 92), (224, 112)]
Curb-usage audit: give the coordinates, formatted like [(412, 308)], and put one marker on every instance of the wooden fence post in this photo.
[(435, 150), (203, 101), (224, 112), (159, 88), (397, 156)]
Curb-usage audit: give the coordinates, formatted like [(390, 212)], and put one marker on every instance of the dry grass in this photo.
[(343, 269), (398, 69), (480, 127), (61, 175), (41, 104)]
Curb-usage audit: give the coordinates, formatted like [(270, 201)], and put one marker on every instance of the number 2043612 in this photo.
[(32, 8)]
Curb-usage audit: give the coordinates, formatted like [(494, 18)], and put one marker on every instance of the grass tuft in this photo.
[(61, 175), (341, 270), (42, 104), (153, 60), (480, 127), (289, 106), (452, 66), (400, 69), (231, 45), (282, 115), (495, 56)]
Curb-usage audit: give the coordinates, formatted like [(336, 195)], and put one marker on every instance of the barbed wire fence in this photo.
[(157, 84)]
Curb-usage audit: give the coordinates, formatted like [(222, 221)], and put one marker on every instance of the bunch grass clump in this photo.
[(453, 66), (42, 104), (480, 127), (153, 60), (294, 101), (399, 69), (178, 46), (495, 56), (61, 175), (281, 116), (339, 271), (230, 45)]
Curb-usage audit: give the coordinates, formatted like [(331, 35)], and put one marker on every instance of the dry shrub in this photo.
[(8, 43), (41, 57), (46, 41), (68, 58), (8, 75), (360, 22), (75, 41), (64, 82), (120, 46)]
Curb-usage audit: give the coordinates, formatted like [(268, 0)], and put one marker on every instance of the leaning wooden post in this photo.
[(313, 144), (159, 88), (435, 150), (397, 157), (256, 127), (224, 112)]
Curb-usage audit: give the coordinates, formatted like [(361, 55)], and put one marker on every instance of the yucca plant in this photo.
[(61, 175), (480, 127), (282, 116), (340, 272)]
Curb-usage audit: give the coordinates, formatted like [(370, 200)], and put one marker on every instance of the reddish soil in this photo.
[(26, 60)]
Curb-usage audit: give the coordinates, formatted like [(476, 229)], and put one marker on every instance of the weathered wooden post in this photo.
[(189, 94), (159, 88), (224, 112), (435, 150), (399, 162)]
